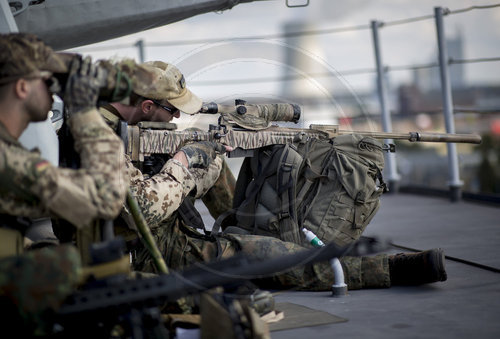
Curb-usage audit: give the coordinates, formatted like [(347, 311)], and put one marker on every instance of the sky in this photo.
[(227, 66)]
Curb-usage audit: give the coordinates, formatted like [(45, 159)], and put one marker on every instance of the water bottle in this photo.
[(312, 238)]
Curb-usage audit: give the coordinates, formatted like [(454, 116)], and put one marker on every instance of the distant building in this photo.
[(424, 94), (428, 79), (323, 96)]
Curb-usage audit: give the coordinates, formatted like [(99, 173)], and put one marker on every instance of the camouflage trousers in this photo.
[(181, 249), (34, 283)]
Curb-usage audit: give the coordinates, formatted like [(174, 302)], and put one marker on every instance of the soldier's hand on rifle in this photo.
[(82, 87), (200, 154)]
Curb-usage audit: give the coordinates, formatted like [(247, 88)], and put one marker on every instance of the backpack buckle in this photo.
[(287, 166), (283, 215), (360, 198)]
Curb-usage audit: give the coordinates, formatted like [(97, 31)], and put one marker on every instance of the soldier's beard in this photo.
[(38, 105)]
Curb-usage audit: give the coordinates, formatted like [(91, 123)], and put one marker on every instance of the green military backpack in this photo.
[(330, 187)]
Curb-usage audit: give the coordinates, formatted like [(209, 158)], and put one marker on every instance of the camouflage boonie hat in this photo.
[(170, 85), (25, 55)]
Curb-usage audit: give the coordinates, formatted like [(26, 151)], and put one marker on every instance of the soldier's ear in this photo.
[(22, 88), (147, 106)]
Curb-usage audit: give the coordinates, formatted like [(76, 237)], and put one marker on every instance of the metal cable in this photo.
[(472, 8), (406, 21), (452, 61)]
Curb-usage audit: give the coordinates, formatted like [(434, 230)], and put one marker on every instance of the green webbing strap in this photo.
[(119, 75), (146, 235)]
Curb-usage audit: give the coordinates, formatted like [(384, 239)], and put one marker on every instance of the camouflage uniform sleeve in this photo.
[(205, 178), (220, 196), (96, 190), (160, 195)]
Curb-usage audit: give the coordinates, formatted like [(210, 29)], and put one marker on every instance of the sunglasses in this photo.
[(166, 108)]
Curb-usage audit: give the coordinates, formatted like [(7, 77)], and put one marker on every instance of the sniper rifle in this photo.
[(247, 127)]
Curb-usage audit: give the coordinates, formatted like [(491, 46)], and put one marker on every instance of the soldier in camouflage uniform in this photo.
[(161, 194), (183, 245), (30, 187)]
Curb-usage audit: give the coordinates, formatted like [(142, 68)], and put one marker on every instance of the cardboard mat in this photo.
[(296, 316)]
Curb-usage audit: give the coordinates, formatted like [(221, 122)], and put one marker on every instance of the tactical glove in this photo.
[(201, 154), (82, 88)]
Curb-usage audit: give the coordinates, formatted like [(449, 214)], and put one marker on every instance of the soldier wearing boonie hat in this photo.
[(160, 101)]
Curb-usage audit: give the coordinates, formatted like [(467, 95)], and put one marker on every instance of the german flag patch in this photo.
[(42, 165)]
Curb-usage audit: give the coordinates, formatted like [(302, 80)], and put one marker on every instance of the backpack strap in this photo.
[(307, 195), (217, 224), (288, 170), (250, 170), (190, 215), (192, 218), (245, 176), (381, 181), (310, 175)]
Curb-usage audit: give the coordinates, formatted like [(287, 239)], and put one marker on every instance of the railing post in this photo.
[(454, 183), (7, 22), (390, 158), (140, 49)]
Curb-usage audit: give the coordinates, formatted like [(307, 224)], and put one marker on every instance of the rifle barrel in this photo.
[(422, 137)]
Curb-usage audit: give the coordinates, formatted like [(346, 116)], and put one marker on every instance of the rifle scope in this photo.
[(270, 112)]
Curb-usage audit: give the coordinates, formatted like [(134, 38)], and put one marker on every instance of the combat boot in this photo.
[(417, 268)]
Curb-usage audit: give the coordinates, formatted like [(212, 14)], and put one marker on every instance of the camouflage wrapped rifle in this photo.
[(248, 127)]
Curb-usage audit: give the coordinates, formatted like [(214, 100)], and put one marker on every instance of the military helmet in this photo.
[(25, 55), (169, 85)]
